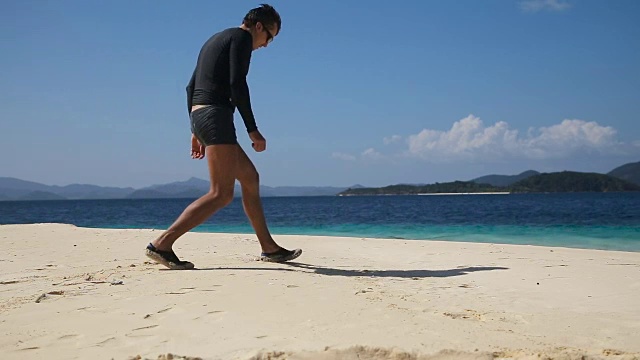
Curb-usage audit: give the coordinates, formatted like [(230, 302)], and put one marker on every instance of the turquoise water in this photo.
[(592, 237), (583, 220)]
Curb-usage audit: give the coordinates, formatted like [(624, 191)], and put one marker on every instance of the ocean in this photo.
[(608, 221)]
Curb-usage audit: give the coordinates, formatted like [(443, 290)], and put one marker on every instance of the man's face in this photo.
[(264, 35)]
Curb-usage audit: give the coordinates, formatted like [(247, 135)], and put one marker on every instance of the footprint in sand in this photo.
[(9, 282), (158, 312), (131, 333), (186, 290), (30, 348), (104, 342), (196, 289), (467, 314), (145, 327), (208, 313)]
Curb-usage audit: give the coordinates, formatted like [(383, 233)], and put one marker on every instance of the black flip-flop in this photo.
[(281, 255), (167, 258)]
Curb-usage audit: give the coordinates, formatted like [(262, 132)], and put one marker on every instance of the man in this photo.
[(219, 86)]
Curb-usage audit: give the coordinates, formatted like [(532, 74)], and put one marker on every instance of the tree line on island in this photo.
[(623, 178)]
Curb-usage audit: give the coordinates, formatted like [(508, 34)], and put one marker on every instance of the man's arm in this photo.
[(190, 88), (240, 57)]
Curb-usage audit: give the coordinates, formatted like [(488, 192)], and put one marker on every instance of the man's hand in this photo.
[(197, 149), (257, 141)]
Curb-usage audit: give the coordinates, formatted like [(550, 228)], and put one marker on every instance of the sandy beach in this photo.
[(81, 293)]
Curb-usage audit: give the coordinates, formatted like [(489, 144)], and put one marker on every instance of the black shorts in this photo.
[(213, 125)]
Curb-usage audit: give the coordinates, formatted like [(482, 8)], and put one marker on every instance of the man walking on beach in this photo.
[(219, 86)]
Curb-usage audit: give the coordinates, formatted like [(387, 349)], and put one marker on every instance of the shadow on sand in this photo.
[(407, 274)]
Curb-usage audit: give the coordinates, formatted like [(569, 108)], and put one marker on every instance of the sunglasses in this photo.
[(269, 35)]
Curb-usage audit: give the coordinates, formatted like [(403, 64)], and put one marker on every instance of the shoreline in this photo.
[(356, 296), (275, 232)]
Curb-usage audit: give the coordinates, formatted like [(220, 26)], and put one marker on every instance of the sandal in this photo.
[(167, 258), (281, 255)]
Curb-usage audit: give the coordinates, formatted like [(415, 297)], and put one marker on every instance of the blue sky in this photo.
[(350, 92)]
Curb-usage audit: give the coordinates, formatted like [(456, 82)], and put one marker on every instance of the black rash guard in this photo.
[(220, 76)]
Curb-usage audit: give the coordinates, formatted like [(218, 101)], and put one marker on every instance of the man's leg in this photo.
[(249, 180), (223, 164)]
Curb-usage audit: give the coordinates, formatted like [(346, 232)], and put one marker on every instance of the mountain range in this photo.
[(17, 189)]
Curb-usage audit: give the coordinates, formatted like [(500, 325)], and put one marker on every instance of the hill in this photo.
[(629, 172), (437, 188), (571, 181), (504, 180), (192, 187), (17, 189), (566, 181)]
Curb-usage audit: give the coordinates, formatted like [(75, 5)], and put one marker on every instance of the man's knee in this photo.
[(221, 196)]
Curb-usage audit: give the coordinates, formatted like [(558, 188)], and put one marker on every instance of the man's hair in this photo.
[(264, 14)]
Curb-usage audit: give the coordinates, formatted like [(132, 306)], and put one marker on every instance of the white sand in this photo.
[(345, 298)]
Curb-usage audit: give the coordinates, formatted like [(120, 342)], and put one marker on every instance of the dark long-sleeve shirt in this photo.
[(220, 76)]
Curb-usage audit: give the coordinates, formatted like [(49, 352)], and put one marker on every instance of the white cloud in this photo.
[(391, 139), (343, 156), (371, 153), (542, 5), (469, 139), (571, 136)]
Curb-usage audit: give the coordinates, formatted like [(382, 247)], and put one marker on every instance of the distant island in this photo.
[(565, 181), (622, 178), (455, 187)]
